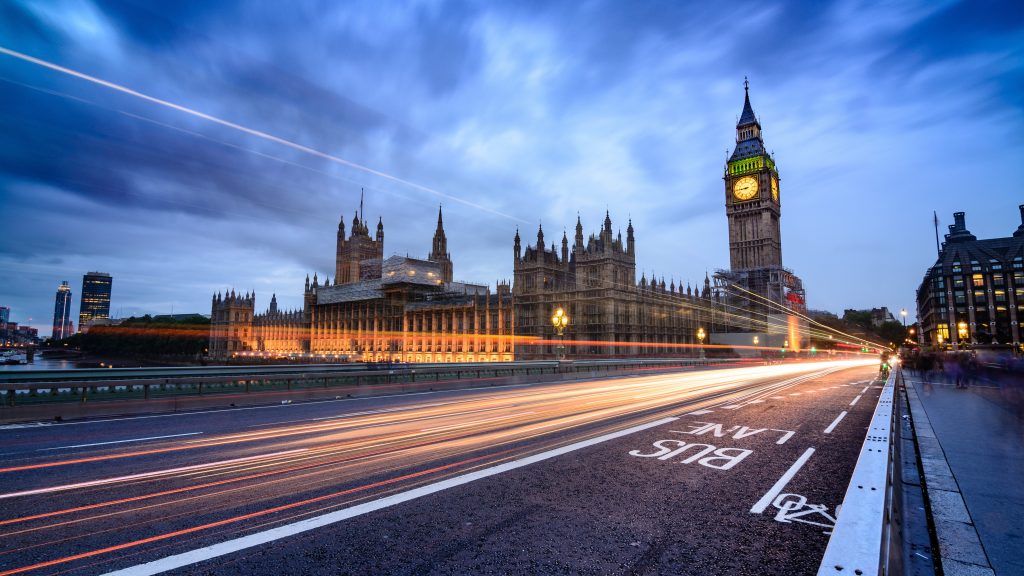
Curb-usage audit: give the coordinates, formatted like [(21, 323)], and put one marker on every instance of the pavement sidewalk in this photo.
[(972, 450)]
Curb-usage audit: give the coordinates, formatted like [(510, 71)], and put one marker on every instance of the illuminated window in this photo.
[(1000, 296), (978, 280)]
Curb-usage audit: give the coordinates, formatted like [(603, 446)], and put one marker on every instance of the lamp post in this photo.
[(560, 320), (700, 336), (961, 331), (903, 312)]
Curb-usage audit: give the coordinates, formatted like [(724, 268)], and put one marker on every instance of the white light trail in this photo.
[(246, 130)]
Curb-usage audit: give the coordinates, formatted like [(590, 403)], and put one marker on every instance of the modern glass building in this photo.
[(95, 298), (62, 312)]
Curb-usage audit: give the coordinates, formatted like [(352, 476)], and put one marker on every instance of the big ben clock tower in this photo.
[(752, 197)]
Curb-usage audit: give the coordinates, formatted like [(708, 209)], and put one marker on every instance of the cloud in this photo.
[(538, 111)]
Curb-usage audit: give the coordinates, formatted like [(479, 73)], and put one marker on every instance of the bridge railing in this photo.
[(866, 529), (145, 383)]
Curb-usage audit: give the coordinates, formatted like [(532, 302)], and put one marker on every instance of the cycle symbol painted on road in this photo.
[(794, 508)]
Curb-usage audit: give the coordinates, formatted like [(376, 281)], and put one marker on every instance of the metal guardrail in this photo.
[(864, 531), (118, 383)]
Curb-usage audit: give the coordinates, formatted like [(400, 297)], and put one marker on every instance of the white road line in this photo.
[(755, 402), (778, 397), (103, 481), (794, 394), (699, 412), (119, 441), (230, 546), (854, 401), (835, 422), (865, 389), (731, 407), (770, 495)]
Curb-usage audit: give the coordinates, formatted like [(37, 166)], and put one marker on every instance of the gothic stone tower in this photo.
[(353, 254), (752, 197), (439, 250)]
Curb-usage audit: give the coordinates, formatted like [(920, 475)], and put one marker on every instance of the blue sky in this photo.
[(508, 114)]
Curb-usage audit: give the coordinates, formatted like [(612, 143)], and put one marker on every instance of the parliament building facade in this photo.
[(405, 309)]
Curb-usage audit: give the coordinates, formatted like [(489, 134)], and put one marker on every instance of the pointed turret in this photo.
[(380, 229), (579, 233), (516, 247), (607, 223), (439, 249), (565, 247), (273, 303), (540, 237), (747, 117), (630, 246)]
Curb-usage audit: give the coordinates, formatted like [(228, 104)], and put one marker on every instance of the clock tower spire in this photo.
[(752, 196)]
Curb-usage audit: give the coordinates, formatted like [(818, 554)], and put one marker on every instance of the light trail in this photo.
[(250, 131), (344, 449)]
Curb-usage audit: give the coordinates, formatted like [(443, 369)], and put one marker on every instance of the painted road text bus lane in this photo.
[(750, 487)]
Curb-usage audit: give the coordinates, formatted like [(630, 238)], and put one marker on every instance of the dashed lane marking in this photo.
[(699, 412), (854, 401), (835, 422)]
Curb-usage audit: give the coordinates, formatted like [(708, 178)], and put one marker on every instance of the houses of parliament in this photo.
[(403, 309)]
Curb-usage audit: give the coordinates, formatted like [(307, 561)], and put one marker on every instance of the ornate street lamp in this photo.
[(700, 336), (903, 312), (560, 320), (961, 330)]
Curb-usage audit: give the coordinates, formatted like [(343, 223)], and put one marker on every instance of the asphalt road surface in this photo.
[(730, 471)]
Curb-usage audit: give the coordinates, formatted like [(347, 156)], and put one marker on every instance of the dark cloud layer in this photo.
[(508, 114)]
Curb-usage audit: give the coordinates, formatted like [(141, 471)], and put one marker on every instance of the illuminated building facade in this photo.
[(611, 314), (757, 286), (974, 293), (95, 302), (62, 325), (400, 309)]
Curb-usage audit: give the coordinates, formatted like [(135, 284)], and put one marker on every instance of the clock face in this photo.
[(775, 189), (745, 188)]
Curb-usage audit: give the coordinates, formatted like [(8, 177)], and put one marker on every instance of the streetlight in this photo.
[(700, 336), (903, 312), (756, 340), (560, 320), (961, 330)]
